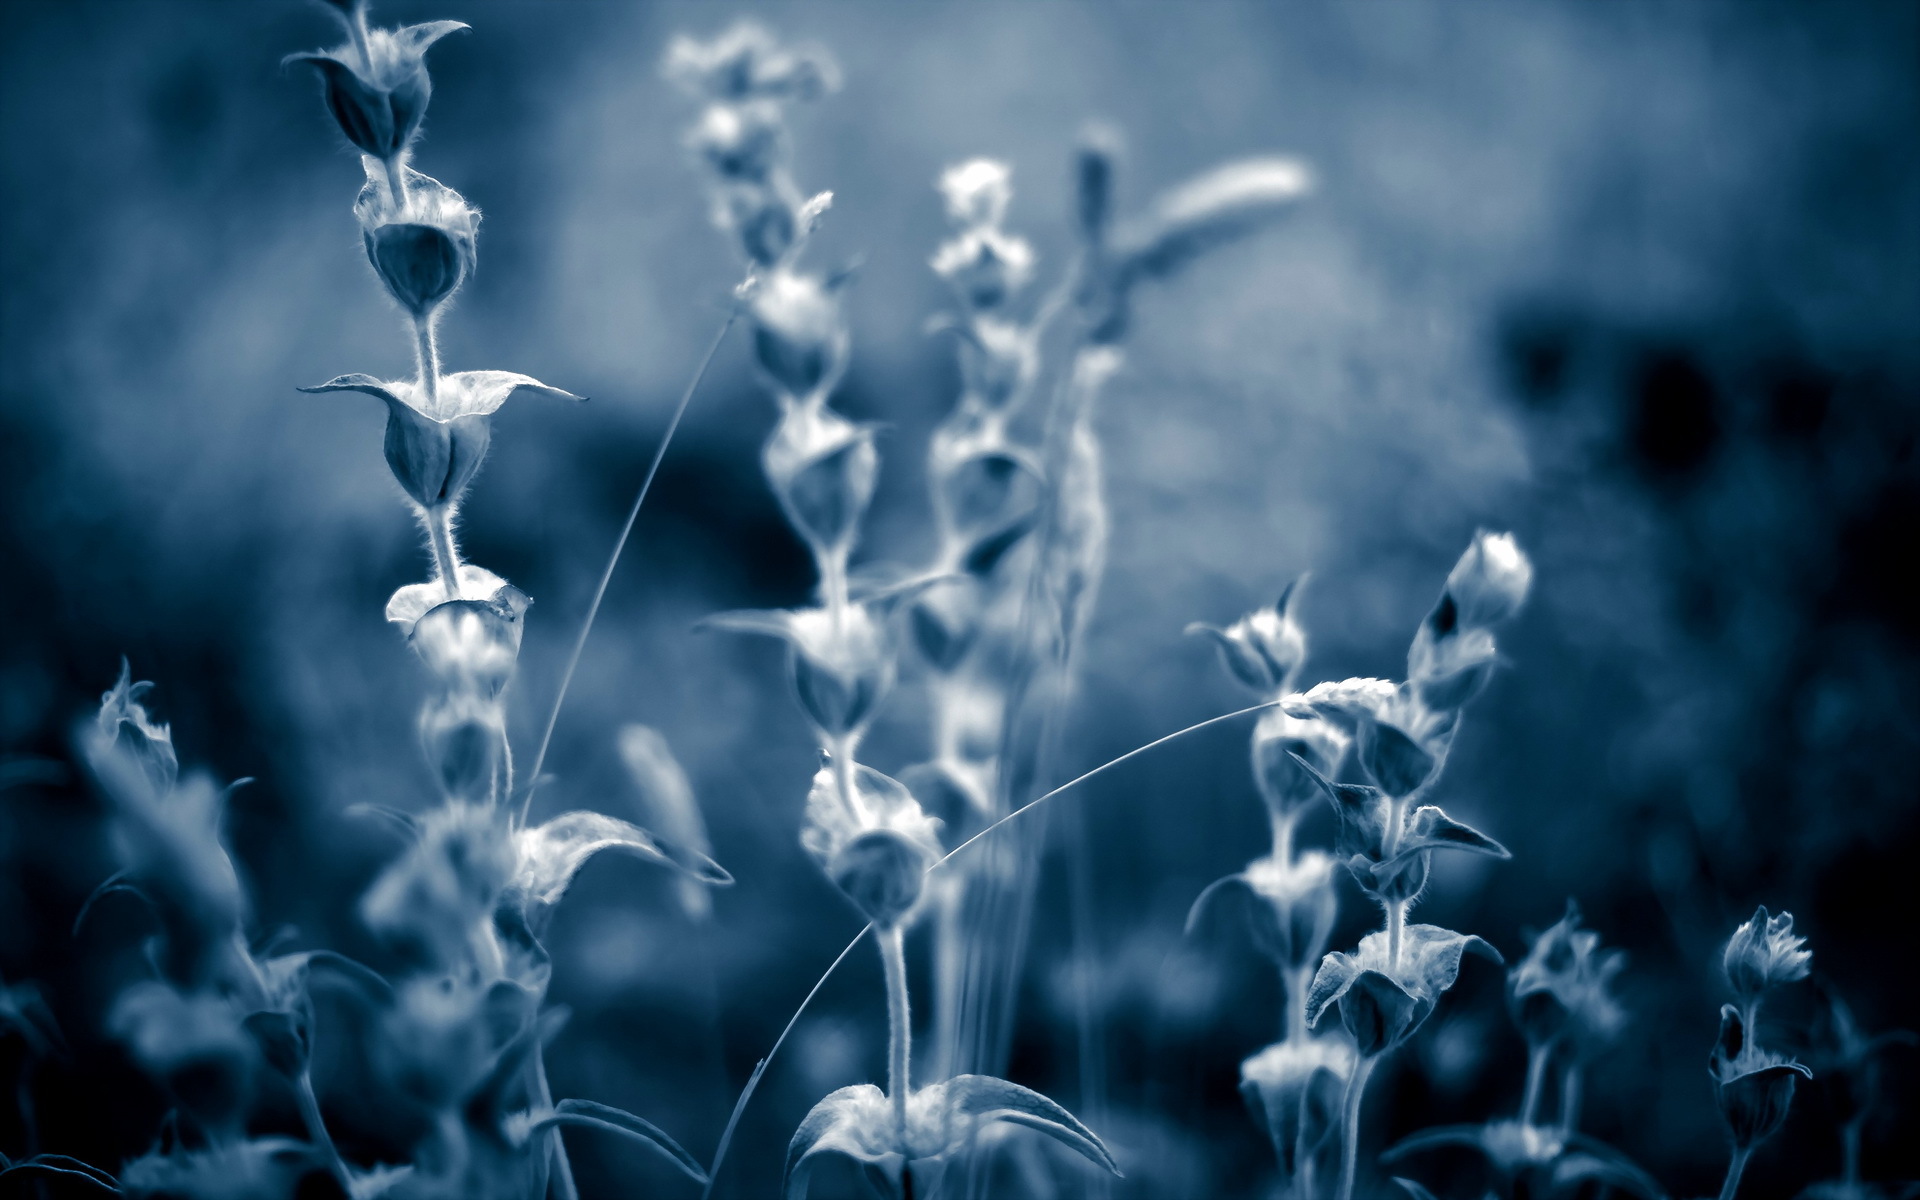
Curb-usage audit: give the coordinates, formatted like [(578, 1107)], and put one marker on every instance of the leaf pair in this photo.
[(1386, 846), (942, 1121), (1384, 998)]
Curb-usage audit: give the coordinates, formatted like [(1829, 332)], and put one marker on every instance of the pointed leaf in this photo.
[(392, 393), (1336, 974), (1413, 1189), (1211, 210), (855, 1121), (552, 853), (1589, 1158), (987, 1099), (478, 393), (591, 1115), (1432, 829), (415, 39)]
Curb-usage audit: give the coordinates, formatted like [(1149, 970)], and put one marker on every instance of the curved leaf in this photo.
[(855, 1121), (589, 1114), (1211, 210), (552, 853), (478, 393), (1598, 1161), (1413, 1188), (987, 1099), (63, 1165), (1429, 828)]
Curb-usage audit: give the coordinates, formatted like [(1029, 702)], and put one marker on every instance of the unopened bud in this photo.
[(1764, 953), (1263, 649), (472, 646), (823, 468), (423, 248), (465, 740), (799, 338), (380, 98), (1489, 583)]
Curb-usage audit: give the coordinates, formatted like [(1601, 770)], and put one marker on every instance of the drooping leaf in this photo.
[(987, 1099), (552, 853), (589, 1114)]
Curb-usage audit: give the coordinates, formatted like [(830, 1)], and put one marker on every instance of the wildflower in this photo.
[(800, 338), (1388, 847), (872, 838), (1561, 987), (377, 85), (1537, 1160), (746, 62), (1763, 954), (1754, 1085), (941, 1123), (986, 495), (1490, 582), (269, 1168), (193, 1042), (1294, 1089), (1263, 649), (1453, 652), (549, 855), (841, 661), (421, 242), (437, 434), (437, 900), (1384, 1000), (464, 736), (471, 646), (1296, 908), (125, 722), (1278, 737)]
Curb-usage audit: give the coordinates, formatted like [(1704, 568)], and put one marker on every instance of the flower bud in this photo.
[(747, 62), (472, 646), (945, 622), (1764, 953), (842, 661), (1294, 1089), (741, 141), (1561, 988), (986, 267), (380, 98), (987, 493), (977, 192), (422, 247), (1490, 582), (1301, 907), (465, 739), (1285, 785), (998, 361), (1263, 649), (438, 897), (883, 873), (1379, 1014), (1754, 1086), (125, 723), (193, 1043), (1399, 764), (823, 468), (799, 337), (763, 220)]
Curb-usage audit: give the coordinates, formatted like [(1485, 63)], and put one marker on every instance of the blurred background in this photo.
[(1637, 281)]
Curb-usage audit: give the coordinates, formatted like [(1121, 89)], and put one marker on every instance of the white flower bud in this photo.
[(1490, 582), (977, 192)]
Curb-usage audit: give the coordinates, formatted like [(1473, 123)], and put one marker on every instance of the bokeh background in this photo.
[(1638, 281)]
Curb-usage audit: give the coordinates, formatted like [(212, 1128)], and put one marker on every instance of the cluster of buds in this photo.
[(1754, 1085)]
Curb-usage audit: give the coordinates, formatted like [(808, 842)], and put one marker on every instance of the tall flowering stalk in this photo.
[(1294, 1086), (1754, 1085), (1388, 987), (468, 898)]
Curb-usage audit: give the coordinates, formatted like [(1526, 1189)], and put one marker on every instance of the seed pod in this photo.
[(823, 468), (465, 740), (883, 873)]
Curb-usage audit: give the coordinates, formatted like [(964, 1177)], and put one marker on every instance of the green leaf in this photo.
[(988, 1099), (589, 1114)]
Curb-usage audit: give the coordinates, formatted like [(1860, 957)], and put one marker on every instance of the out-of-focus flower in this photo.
[(1754, 1085), (437, 899), (125, 722), (1278, 738), (872, 838), (1293, 907), (800, 338), (272, 1168), (1453, 653), (1383, 1002), (942, 1121), (193, 1043), (377, 84), (1490, 582), (1763, 954), (1848, 1058), (1561, 987), (472, 645), (668, 795), (464, 737), (1263, 649), (437, 436), (841, 660), (549, 855), (1537, 1160), (747, 62), (1294, 1089)]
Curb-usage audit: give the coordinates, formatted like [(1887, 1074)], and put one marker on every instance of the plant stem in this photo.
[(1396, 922), (426, 362), (317, 1130), (893, 957), (1850, 1152), (1536, 1076), (1283, 839), (1570, 1087), (613, 560), (563, 1184), (1350, 1125), (1297, 983), (1735, 1167), (438, 519)]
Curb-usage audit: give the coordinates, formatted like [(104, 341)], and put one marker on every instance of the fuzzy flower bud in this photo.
[(1763, 954), (378, 88), (1561, 988), (1490, 582), (125, 723), (421, 246), (1263, 649), (842, 661), (472, 646), (1294, 1090)]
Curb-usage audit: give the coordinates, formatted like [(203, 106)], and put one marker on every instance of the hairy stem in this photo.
[(1283, 838), (317, 1130), (1536, 1076), (446, 556), (1298, 980), (893, 957), (1735, 1167), (613, 560), (1350, 1125), (1396, 923), (426, 361)]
